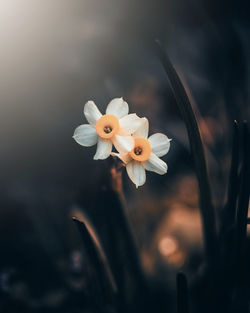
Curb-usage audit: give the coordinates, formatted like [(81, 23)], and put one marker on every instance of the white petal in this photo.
[(123, 144), (117, 107), (103, 150), (85, 135), (136, 173), (91, 112), (155, 164), (160, 144), (130, 123), (142, 131), (124, 157)]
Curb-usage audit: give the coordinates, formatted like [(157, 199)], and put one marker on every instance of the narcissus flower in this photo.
[(113, 128), (145, 155)]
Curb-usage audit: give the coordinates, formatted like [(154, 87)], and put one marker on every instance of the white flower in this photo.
[(115, 127), (145, 154)]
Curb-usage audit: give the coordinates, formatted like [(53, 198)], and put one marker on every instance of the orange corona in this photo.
[(107, 126), (142, 150)]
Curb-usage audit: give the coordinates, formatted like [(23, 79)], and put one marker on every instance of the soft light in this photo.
[(167, 246)]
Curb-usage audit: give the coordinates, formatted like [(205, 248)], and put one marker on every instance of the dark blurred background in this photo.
[(56, 55)]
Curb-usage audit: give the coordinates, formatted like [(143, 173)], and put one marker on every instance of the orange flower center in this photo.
[(142, 150), (107, 126)]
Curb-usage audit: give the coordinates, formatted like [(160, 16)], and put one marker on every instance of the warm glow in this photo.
[(167, 246), (142, 150), (177, 259), (107, 126)]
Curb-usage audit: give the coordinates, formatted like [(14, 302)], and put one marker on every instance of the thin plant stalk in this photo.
[(233, 178), (182, 293), (118, 240)]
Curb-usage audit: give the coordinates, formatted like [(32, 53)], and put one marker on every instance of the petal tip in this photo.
[(166, 170), (139, 185)]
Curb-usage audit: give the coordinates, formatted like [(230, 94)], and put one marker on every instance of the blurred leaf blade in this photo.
[(184, 105), (105, 294)]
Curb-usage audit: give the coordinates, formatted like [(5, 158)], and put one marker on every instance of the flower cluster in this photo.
[(128, 133)]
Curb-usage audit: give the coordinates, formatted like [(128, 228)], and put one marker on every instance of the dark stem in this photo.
[(233, 188), (182, 293), (119, 243), (242, 297), (242, 210), (228, 216)]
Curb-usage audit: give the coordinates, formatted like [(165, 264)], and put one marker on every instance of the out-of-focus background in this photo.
[(56, 55)]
